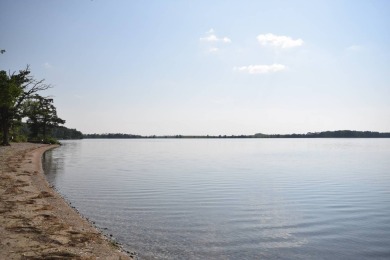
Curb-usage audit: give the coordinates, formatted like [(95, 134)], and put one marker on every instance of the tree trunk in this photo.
[(5, 130), (4, 122), (44, 130)]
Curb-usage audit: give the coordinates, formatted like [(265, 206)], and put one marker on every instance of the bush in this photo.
[(19, 139), (41, 140)]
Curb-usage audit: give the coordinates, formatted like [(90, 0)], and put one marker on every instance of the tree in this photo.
[(10, 90), (42, 116), (15, 90)]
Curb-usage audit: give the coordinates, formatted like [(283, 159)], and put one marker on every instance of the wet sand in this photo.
[(35, 222)]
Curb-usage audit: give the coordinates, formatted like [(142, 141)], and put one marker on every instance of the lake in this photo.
[(232, 198)]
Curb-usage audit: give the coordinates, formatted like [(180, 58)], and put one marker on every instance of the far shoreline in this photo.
[(314, 135)]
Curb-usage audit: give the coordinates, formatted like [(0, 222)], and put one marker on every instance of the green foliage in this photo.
[(57, 132), (19, 99), (42, 115), (44, 140), (17, 132), (19, 139), (16, 90), (63, 133), (10, 90)]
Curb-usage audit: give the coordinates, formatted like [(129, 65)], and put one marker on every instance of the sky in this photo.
[(206, 67)]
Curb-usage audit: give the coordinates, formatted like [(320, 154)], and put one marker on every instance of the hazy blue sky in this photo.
[(206, 67)]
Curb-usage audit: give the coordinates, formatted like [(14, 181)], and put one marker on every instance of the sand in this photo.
[(35, 222)]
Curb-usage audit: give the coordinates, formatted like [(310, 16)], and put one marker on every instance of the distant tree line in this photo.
[(113, 136), (330, 134), (326, 134)]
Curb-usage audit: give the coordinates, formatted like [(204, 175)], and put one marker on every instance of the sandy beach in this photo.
[(35, 222)]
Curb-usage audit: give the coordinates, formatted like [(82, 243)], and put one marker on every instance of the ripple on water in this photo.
[(225, 199)]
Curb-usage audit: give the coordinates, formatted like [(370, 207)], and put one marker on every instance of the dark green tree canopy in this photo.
[(42, 115), (15, 90)]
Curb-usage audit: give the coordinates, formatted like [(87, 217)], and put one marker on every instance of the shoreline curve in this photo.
[(35, 221)]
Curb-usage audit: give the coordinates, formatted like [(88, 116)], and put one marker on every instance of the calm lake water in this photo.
[(232, 198)]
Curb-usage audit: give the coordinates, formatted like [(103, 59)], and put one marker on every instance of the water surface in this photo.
[(232, 198)]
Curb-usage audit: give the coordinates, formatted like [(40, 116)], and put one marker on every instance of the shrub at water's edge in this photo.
[(46, 140)]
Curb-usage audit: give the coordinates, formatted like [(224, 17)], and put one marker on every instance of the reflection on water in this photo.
[(232, 199)]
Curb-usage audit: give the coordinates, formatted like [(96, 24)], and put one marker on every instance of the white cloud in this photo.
[(47, 65), (261, 69), (226, 39), (213, 49), (211, 37), (279, 41)]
